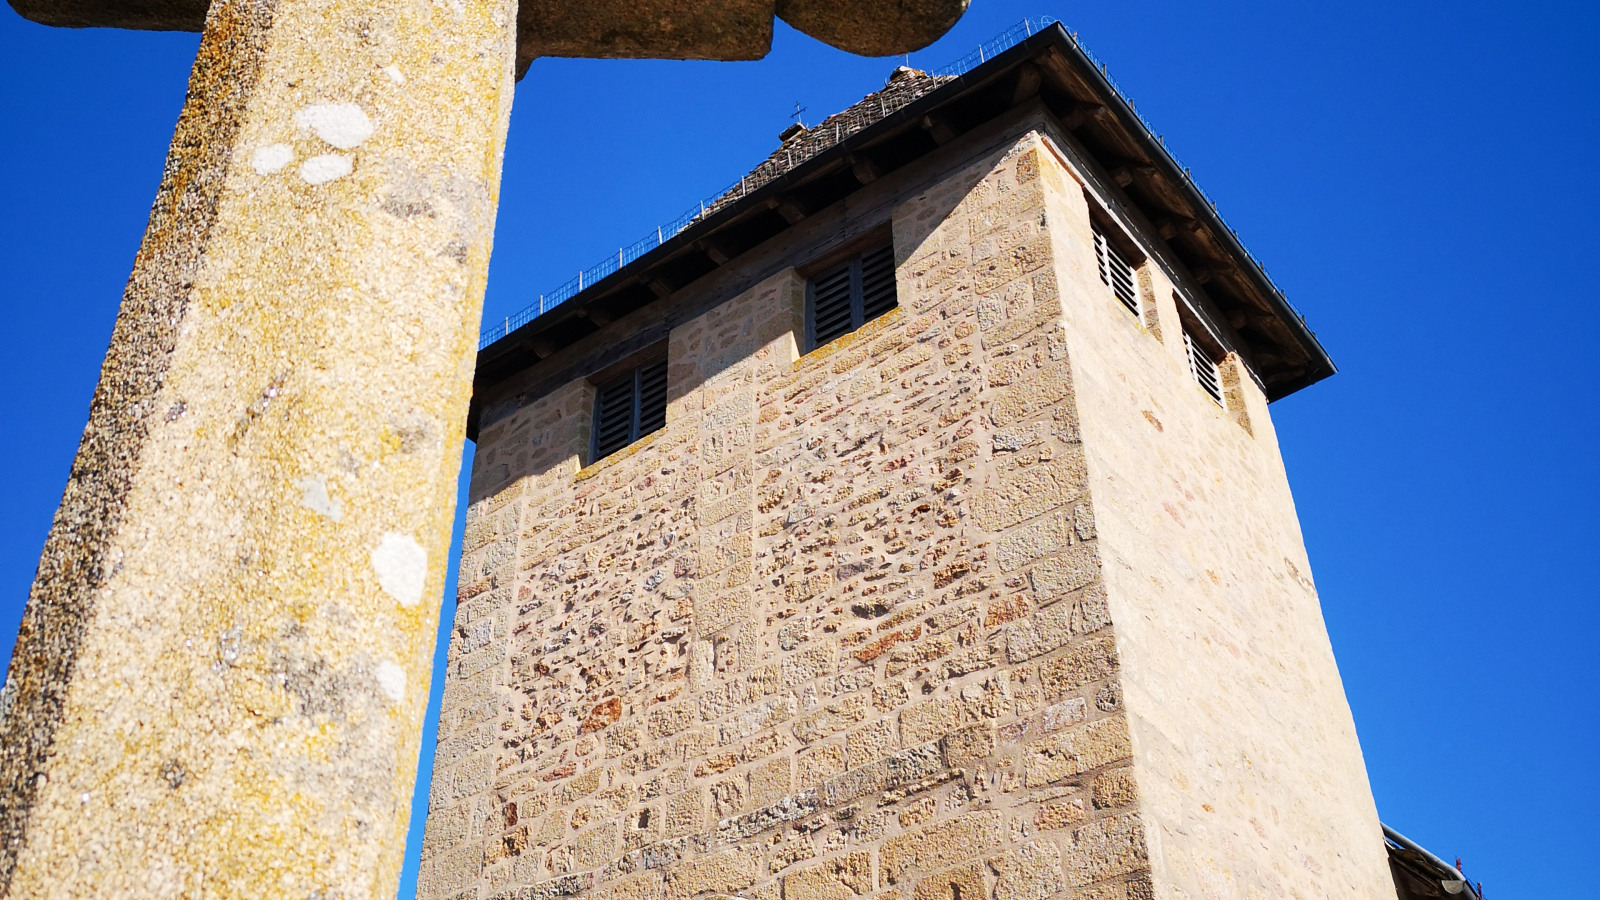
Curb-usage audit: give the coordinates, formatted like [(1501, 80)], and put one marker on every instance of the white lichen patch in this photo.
[(314, 496), (402, 567), (271, 158), (394, 73), (325, 168), (344, 125), (391, 680)]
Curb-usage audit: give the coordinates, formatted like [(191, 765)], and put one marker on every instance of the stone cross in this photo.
[(219, 684)]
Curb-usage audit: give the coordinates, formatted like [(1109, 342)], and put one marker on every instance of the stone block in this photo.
[(474, 775), (1006, 326), (456, 868), (1106, 847), (905, 657), (568, 886), (595, 847), (668, 719), (753, 719), (1035, 540), (958, 883), (1029, 872), (728, 796), (808, 665), (968, 745), (839, 878), (1051, 385), (1055, 626), (1093, 660), (1030, 491), (1062, 715), (772, 780), (1077, 750), (715, 610), (727, 494), (639, 886), (686, 813), (832, 719), (1058, 576), (940, 846), (724, 551), (1115, 789), (724, 870), (818, 764), (1060, 814), (933, 720), (581, 786), (903, 768), (788, 809), (874, 740)]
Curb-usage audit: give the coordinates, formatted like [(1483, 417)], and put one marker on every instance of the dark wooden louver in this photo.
[(877, 283), (849, 295), (1115, 272), (831, 315), (630, 407), (652, 397)]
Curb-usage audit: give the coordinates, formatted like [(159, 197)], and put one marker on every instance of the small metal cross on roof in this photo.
[(798, 109)]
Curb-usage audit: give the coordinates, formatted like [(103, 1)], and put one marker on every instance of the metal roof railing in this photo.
[(624, 255), (763, 173)]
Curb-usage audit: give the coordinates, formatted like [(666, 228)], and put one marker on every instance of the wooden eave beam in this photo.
[(712, 250), (939, 128), (1054, 66), (865, 170), (1028, 80), (791, 209)]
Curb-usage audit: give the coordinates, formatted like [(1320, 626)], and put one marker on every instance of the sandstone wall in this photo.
[(843, 628), (836, 631), (1251, 778)]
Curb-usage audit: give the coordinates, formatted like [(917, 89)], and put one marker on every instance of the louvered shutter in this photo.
[(877, 283), (830, 305), (1203, 369), (1115, 272), (613, 417), (629, 408), (850, 295), (652, 397)]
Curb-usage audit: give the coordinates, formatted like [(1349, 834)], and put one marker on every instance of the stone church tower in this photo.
[(909, 524)]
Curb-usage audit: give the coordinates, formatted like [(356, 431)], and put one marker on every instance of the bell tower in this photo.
[(909, 524)]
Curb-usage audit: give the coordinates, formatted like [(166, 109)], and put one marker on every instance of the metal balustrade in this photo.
[(776, 165)]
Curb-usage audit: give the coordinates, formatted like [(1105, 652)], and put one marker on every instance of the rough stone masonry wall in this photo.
[(838, 630), (1250, 774)]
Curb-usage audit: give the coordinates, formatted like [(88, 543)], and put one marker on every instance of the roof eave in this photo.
[(499, 359)]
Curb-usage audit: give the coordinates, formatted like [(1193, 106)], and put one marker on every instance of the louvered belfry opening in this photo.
[(630, 407), (849, 295), (1203, 369), (1115, 272)]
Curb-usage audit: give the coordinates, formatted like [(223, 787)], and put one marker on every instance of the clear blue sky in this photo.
[(1419, 177)]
